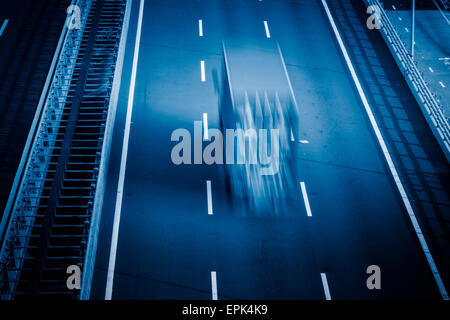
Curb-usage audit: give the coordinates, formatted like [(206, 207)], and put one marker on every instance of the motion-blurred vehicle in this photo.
[(256, 95)]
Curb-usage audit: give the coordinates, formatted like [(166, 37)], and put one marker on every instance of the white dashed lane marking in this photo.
[(205, 126), (305, 199), (209, 197), (200, 28), (326, 289), (3, 27), (266, 26), (213, 285), (202, 69)]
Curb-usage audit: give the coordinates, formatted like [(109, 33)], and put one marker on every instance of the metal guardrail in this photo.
[(445, 4), (91, 250), (47, 223), (426, 99)]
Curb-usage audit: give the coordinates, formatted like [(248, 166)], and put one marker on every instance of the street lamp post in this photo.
[(413, 13)]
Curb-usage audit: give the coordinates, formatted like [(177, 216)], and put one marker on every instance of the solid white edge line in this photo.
[(92, 244), (305, 199), (123, 161), (202, 68), (326, 289), (2, 29), (383, 146), (266, 26), (291, 89), (200, 28), (209, 197), (205, 126), (225, 56), (213, 285)]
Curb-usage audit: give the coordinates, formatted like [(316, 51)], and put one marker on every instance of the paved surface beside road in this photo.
[(431, 51)]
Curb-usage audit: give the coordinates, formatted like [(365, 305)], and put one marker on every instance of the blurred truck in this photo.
[(257, 102)]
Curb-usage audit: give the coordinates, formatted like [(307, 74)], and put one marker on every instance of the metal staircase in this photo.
[(47, 221), (22, 76)]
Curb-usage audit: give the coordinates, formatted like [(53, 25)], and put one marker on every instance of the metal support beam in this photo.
[(413, 17), (41, 250)]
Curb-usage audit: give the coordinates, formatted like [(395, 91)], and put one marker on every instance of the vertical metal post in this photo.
[(413, 13)]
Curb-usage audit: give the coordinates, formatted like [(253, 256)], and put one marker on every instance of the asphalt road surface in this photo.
[(178, 238)]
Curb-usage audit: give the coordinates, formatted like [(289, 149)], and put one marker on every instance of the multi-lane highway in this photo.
[(176, 232)]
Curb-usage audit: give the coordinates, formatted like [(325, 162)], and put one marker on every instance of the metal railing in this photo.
[(426, 99), (47, 222), (445, 4)]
